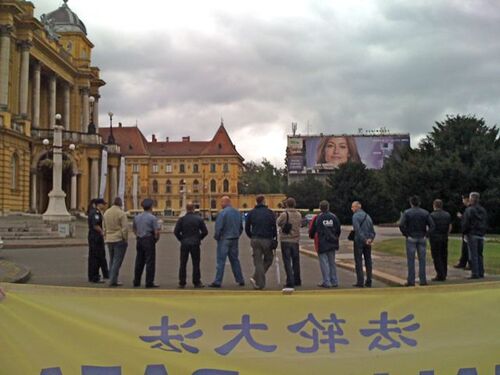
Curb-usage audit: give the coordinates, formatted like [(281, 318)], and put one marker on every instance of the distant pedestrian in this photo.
[(415, 225), (260, 227), (147, 230), (438, 239), (190, 230), (116, 236), (327, 227), (289, 223), (228, 229), (364, 234), (474, 226), (97, 252), (463, 262)]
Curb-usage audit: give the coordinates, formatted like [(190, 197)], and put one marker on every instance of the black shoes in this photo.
[(214, 285), (152, 286), (242, 283), (357, 285), (199, 286)]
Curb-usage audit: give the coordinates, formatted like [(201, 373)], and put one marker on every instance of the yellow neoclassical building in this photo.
[(164, 169), (45, 69)]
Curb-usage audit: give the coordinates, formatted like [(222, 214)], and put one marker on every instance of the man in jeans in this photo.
[(475, 223), (327, 227), (289, 228), (260, 227), (190, 230), (364, 234), (116, 236), (228, 229), (415, 225)]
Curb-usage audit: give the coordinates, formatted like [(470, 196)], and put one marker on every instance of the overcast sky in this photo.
[(177, 67)]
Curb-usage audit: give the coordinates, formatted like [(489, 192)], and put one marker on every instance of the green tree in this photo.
[(307, 193), (263, 178)]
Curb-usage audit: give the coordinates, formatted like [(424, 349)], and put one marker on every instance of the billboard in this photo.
[(328, 152)]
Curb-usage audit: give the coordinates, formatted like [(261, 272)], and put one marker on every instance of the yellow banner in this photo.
[(435, 330)]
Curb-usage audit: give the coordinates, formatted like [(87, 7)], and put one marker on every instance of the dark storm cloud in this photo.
[(402, 65)]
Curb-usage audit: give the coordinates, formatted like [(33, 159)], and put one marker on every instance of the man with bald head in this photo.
[(190, 230), (364, 234), (228, 229)]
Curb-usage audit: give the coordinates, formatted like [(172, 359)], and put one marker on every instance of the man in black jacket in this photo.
[(415, 225), (438, 239), (190, 230), (474, 225), (260, 227)]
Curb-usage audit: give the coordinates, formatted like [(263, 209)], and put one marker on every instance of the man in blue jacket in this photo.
[(260, 227), (327, 226), (228, 229), (415, 225)]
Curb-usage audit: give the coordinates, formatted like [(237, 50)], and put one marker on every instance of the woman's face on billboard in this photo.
[(336, 151)]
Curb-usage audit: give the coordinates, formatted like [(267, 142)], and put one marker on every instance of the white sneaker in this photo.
[(254, 283)]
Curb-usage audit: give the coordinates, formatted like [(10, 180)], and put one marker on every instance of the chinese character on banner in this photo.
[(388, 329), (166, 338), (245, 329), (331, 331)]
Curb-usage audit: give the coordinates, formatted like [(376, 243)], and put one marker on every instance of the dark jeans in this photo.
[(146, 256), (416, 246), (476, 244), (464, 258), (363, 251), (262, 259), (291, 260), (439, 252), (194, 250), (117, 252), (97, 259)]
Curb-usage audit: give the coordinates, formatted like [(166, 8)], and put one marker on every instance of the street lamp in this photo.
[(111, 139), (91, 129)]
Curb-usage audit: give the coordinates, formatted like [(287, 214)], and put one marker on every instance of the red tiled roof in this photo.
[(130, 139)]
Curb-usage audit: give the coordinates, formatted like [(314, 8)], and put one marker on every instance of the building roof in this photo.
[(132, 142), (129, 138), (63, 19)]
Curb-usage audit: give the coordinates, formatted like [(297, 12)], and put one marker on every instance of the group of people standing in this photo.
[(266, 233)]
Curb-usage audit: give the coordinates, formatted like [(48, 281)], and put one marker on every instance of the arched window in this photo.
[(182, 185), (168, 187), (196, 186), (168, 203), (213, 204), (225, 186), (155, 187), (14, 170), (213, 186)]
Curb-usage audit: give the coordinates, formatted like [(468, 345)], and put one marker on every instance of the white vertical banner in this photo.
[(121, 183), (104, 173)]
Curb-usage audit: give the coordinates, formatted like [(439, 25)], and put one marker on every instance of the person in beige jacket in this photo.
[(289, 230), (116, 236)]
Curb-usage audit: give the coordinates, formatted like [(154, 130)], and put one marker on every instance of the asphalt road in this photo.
[(67, 266)]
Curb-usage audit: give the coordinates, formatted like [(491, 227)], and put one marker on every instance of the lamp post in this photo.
[(91, 129), (111, 139), (56, 210)]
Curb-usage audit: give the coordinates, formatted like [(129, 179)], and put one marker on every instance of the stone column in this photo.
[(135, 189), (96, 111), (52, 100), (34, 198), (94, 178), (35, 121), (84, 92), (5, 33), (113, 182), (25, 46), (67, 103), (74, 191)]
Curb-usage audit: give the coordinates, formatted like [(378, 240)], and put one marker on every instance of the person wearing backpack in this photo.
[(327, 226), (289, 231), (363, 237)]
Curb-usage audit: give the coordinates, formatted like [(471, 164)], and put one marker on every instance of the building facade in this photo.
[(175, 172), (45, 69)]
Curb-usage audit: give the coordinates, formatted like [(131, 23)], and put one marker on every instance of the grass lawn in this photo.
[(491, 252)]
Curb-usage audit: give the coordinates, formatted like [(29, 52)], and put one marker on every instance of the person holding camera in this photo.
[(289, 230)]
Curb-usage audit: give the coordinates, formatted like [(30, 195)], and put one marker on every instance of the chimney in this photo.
[(186, 139), (153, 138), (119, 124), (168, 139)]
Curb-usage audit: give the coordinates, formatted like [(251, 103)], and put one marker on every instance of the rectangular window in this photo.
[(182, 168), (135, 168), (168, 168), (155, 168), (225, 168), (195, 168), (212, 168)]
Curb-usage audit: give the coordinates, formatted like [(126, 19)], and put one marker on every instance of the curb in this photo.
[(13, 273), (378, 275)]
